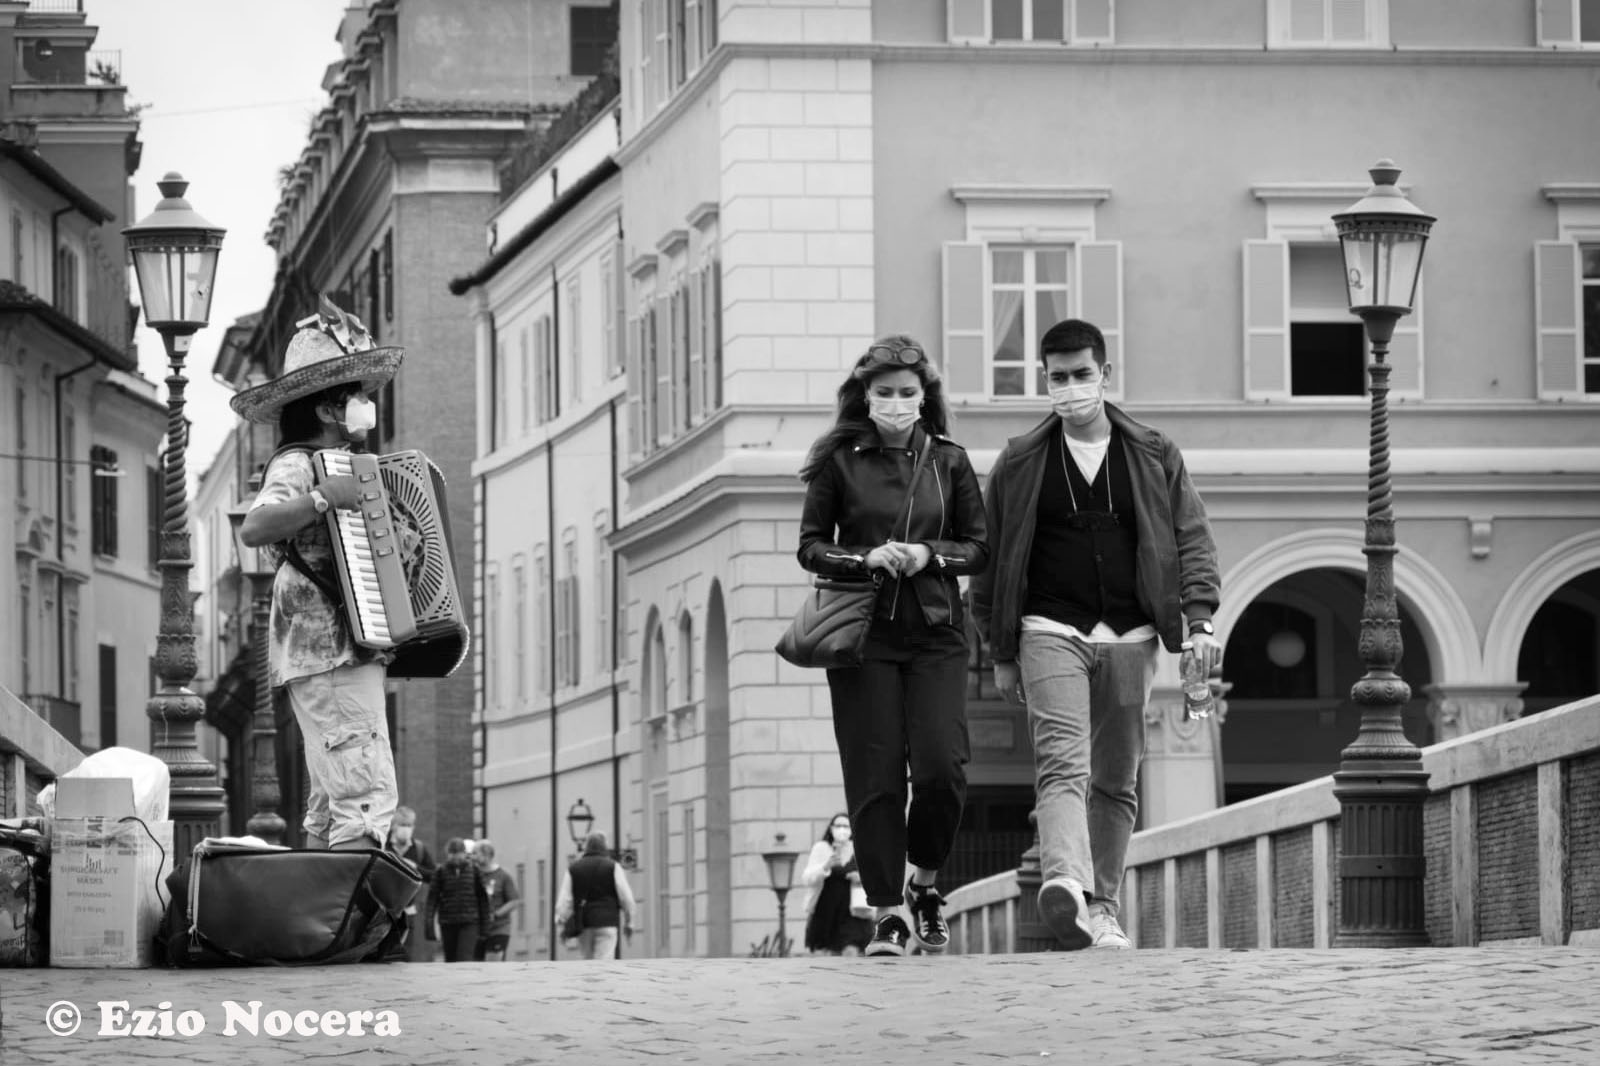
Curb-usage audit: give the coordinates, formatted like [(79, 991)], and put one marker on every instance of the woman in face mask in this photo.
[(832, 925), (890, 498)]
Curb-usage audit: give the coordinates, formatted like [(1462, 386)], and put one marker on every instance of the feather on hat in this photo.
[(330, 348)]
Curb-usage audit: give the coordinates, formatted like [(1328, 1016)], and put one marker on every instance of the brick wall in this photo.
[(1582, 826), (1508, 858), (1152, 911), (1239, 895), (1436, 879), (1291, 872), (1192, 901)]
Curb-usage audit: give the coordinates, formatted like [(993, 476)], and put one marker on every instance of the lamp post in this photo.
[(1380, 783), (265, 821), (580, 819), (780, 871), (174, 254)]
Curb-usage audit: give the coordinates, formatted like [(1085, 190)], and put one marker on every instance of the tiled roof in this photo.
[(16, 298)]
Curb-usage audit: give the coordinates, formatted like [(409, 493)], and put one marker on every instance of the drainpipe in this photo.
[(616, 692), (550, 561)]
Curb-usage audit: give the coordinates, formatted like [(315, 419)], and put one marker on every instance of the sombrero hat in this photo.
[(329, 348)]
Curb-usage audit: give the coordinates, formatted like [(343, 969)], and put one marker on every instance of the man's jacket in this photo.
[(857, 502), (1177, 559)]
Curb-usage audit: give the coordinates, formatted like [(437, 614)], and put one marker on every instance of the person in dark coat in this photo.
[(596, 885), (459, 902)]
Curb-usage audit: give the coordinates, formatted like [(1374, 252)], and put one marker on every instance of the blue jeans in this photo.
[(1086, 712)]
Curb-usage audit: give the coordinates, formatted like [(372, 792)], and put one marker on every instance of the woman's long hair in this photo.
[(852, 419), (827, 834)]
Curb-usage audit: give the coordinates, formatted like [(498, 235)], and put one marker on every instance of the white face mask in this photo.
[(1078, 404), (360, 414), (841, 834), (894, 413)]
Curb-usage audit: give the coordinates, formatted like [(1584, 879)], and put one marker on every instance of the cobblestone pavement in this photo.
[(1374, 1008)]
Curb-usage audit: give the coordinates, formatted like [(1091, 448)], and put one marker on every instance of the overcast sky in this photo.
[(229, 88)]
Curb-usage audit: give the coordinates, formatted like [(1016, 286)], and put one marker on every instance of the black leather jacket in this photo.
[(857, 501)]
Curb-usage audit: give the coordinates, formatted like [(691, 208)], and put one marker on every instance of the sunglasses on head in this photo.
[(889, 355)]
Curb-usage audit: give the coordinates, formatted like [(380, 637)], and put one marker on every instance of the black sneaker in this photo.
[(890, 937), (929, 930)]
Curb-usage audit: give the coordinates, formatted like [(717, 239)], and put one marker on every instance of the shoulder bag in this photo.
[(829, 630)]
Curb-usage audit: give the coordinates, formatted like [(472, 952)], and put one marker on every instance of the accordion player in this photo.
[(395, 561)]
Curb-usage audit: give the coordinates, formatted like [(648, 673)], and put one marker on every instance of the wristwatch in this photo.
[(1202, 626), (319, 501)]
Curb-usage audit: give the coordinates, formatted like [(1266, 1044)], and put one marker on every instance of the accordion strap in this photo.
[(291, 552)]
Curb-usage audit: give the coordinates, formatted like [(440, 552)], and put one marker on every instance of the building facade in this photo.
[(797, 178), (386, 203), (80, 429)]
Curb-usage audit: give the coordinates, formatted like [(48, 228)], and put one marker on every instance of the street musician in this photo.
[(324, 401)]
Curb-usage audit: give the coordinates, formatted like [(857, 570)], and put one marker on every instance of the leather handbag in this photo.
[(235, 905), (829, 631)]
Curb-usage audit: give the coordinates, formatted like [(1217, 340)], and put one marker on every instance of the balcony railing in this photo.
[(55, 7)]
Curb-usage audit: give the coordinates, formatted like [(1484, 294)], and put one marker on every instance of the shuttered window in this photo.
[(1569, 23), (1567, 307), (1328, 23), (1300, 340), (1000, 298), (1037, 21)]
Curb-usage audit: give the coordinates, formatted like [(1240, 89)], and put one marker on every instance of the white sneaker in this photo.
[(1107, 933), (1065, 909)]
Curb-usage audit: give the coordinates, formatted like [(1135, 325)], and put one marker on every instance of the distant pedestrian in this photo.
[(403, 843), (459, 903), (596, 886), (832, 926), (892, 499), (1101, 547), (501, 890)]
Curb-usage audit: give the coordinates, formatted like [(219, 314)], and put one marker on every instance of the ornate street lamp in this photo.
[(1380, 783), (174, 254), (780, 871), (580, 819), (265, 795)]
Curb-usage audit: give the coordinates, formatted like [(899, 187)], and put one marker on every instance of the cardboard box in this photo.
[(104, 902)]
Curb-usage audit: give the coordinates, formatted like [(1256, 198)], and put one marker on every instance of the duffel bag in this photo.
[(235, 905)]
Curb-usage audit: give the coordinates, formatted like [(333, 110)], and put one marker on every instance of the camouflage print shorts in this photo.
[(349, 763)]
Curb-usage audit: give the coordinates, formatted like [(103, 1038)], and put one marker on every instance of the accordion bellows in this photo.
[(396, 562)]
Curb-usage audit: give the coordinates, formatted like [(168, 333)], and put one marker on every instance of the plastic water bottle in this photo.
[(1197, 698)]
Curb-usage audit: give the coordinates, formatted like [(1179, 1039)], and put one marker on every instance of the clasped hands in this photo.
[(898, 557)]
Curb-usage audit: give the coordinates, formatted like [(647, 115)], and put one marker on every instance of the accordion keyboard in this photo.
[(366, 556)]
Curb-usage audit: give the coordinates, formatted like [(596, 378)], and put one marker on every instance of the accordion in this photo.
[(395, 561)]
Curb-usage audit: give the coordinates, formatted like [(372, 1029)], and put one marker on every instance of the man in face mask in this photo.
[(1103, 554), (335, 687)]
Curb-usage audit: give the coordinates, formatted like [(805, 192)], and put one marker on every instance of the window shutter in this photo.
[(1099, 270), (968, 21), (661, 359), (1347, 21), (632, 374), (619, 306), (697, 398), (1266, 320), (1305, 21), (1556, 24), (963, 317), (1405, 357), (714, 367), (1557, 273), (1091, 23)]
